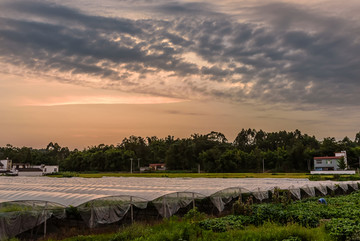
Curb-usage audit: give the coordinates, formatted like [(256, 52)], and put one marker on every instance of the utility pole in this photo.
[(263, 166), (131, 165)]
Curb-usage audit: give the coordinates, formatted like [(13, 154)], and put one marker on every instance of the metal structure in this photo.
[(109, 199)]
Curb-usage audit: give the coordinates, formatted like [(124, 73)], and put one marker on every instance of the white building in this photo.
[(5, 165), (342, 154), (330, 164), (26, 169), (46, 169)]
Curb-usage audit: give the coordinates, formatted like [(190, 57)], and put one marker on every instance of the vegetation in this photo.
[(174, 229), (167, 174), (279, 220), (342, 163), (199, 175), (14, 207), (279, 152)]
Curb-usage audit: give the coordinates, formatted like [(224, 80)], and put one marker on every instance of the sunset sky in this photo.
[(87, 72)]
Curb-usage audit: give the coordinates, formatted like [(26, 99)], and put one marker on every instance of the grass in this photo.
[(14, 208), (175, 229), (190, 175), (209, 175)]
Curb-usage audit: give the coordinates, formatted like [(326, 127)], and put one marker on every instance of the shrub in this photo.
[(240, 208), (194, 215), (69, 174), (343, 228), (225, 223), (315, 178), (131, 232)]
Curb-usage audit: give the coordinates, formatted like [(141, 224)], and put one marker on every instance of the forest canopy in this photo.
[(279, 151)]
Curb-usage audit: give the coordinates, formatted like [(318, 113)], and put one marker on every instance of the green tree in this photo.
[(342, 163), (208, 159), (245, 139), (228, 162)]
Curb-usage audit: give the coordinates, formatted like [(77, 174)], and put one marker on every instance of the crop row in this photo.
[(341, 216)]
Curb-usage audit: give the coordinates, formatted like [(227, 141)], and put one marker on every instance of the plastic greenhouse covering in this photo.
[(26, 202)]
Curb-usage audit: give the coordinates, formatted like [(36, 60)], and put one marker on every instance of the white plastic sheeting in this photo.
[(108, 199), (33, 213), (169, 204), (323, 189), (223, 197), (77, 191), (108, 209)]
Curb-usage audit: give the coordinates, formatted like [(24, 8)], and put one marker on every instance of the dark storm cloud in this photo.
[(191, 8), (55, 44), (71, 16), (283, 53)]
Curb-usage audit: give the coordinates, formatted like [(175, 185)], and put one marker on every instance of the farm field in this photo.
[(99, 201), (208, 175), (182, 174), (279, 220)]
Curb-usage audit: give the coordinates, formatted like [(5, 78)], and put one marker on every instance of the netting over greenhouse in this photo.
[(109, 199)]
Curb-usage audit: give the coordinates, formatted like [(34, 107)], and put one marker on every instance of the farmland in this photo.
[(278, 220), (205, 175), (182, 174), (118, 201)]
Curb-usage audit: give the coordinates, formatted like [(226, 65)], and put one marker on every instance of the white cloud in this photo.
[(293, 54)]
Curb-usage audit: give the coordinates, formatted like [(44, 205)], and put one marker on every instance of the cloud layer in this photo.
[(278, 53)]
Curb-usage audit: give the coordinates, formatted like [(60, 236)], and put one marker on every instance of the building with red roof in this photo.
[(329, 163)]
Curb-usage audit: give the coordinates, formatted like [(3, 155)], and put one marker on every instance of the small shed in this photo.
[(157, 166)]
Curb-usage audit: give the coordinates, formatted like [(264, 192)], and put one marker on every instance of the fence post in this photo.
[(131, 210), (45, 217)]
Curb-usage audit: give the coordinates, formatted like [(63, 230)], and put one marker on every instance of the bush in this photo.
[(194, 215), (129, 233), (240, 208), (315, 178), (225, 223), (72, 213), (343, 228), (271, 232), (292, 238), (69, 174)]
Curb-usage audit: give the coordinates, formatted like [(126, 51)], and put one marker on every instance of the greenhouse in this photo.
[(27, 202)]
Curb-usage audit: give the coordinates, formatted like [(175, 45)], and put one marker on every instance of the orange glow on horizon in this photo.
[(85, 100)]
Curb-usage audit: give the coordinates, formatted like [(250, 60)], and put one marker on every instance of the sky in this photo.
[(85, 72)]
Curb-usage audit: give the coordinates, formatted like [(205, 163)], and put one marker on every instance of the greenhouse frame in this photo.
[(27, 202)]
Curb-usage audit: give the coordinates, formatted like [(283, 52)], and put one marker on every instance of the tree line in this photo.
[(251, 151)]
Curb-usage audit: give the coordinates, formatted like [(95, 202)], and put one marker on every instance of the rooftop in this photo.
[(327, 157)]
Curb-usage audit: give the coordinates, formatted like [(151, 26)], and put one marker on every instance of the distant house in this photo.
[(144, 169), (25, 169), (326, 163), (5, 165), (29, 171), (157, 167), (48, 169), (19, 165), (329, 163)]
